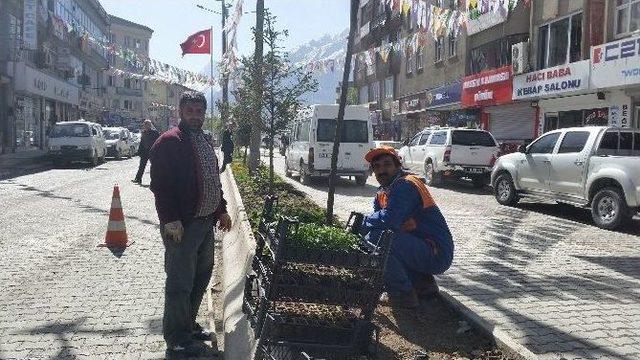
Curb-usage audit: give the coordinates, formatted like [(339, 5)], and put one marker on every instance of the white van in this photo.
[(77, 141), (119, 142), (309, 152)]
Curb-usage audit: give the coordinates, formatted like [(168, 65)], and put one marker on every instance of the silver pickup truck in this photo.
[(596, 167)]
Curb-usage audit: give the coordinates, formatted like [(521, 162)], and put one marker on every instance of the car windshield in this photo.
[(70, 130), (111, 134), (472, 138), (353, 131)]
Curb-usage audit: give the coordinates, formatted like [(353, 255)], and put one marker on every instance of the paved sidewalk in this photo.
[(23, 162)]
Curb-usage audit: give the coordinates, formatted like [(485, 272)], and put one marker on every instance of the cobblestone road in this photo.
[(539, 272), (64, 297)]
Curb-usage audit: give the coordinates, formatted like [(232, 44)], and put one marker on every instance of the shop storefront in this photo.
[(563, 97), (615, 73), (413, 115), (445, 100), (490, 92), (40, 101)]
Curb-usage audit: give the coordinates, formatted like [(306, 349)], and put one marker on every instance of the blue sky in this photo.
[(174, 20)]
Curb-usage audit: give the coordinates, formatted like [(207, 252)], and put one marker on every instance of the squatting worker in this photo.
[(227, 145), (422, 244), (149, 136), (189, 201)]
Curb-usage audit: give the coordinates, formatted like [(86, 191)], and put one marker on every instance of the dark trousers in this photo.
[(227, 159), (143, 164), (188, 265)]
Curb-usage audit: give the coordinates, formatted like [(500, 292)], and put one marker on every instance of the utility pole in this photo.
[(225, 77), (355, 5), (256, 130)]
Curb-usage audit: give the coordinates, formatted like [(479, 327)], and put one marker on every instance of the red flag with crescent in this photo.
[(198, 43)]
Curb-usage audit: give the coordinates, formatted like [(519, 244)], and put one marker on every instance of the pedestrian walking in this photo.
[(189, 201), (227, 145), (148, 137), (422, 244)]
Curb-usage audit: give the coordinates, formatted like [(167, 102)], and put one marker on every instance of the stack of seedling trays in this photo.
[(313, 302)]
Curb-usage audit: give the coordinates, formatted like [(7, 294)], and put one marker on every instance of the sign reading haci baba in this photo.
[(553, 81)]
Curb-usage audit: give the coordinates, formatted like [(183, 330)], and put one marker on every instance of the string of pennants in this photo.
[(136, 66), (229, 62)]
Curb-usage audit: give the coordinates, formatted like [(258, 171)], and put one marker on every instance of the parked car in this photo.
[(393, 144), (77, 141), (119, 142), (311, 144), (596, 167), (135, 141), (440, 153)]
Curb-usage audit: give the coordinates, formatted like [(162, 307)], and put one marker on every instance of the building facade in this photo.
[(55, 64), (128, 97)]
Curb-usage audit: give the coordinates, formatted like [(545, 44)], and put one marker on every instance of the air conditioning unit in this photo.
[(520, 57)]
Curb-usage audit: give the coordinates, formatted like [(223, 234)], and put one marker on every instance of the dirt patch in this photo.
[(433, 331)]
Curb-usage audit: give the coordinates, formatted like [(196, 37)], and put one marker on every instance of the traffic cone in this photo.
[(116, 229)]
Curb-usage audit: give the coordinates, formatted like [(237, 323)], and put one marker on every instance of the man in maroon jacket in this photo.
[(188, 195)]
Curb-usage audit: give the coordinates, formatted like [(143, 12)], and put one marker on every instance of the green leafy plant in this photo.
[(314, 236)]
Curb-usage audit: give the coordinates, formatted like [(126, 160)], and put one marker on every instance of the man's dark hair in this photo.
[(395, 159), (192, 97)]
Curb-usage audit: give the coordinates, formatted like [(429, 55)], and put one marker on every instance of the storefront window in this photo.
[(576, 118), (627, 16), (559, 42)]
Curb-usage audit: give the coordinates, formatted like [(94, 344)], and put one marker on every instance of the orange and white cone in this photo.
[(116, 229)]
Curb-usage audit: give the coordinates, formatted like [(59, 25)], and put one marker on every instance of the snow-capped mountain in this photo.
[(327, 47)]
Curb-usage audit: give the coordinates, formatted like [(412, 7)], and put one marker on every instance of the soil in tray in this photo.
[(332, 276), (316, 314), (434, 330)]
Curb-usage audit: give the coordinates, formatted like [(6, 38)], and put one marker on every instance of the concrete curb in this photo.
[(238, 248), (502, 339)]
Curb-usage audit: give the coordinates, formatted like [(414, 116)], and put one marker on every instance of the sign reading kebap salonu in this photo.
[(573, 77)]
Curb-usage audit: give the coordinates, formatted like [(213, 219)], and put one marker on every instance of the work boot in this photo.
[(185, 351), (407, 300), (427, 288), (200, 333)]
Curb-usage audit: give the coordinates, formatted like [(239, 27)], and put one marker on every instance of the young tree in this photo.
[(355, 5), (284, 85), (258, 84)]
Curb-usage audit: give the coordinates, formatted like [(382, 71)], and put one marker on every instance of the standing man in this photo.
[(227, 145), (189, 201), (148, 137), (422, 244)]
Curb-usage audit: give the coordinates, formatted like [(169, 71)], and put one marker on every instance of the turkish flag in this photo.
[(198, 43)]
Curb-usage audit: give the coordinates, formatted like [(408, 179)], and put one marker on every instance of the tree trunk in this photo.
[(256, 129), (355, 4)]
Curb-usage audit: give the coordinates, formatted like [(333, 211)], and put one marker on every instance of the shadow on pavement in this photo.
[(505, 278), (64, 330)]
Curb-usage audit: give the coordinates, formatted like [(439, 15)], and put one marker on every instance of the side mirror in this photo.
[(522, 149)]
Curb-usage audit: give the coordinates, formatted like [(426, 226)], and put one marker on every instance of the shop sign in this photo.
[(616, 63), (619, 115), (553, 81), (487, 88), (395, 107), (41, 84), (484, 14), (413, 103), (30, 25), (443, 95)]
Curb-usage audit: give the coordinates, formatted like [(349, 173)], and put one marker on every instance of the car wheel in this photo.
[(287, 171), (130, 153), (609, 208), (361, 180), (118, 154), (304, 177), (433, 178), (94, 159), (505, 190)]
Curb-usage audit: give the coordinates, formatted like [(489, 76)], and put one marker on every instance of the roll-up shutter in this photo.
[(513, 122)]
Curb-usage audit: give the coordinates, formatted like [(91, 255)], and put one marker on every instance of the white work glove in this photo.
[(174, 231)]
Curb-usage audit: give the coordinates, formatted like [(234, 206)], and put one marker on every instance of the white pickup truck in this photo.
[(441, 153), (596, 167)]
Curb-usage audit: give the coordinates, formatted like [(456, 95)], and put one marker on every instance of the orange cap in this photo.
[(382, 150)]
